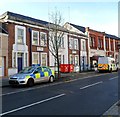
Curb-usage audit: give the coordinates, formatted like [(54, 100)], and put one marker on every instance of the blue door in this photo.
[(19, 63)]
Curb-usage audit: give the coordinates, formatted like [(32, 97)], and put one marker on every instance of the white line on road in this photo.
[(113, 78), (52, 84), (91, 85), (36, 103)]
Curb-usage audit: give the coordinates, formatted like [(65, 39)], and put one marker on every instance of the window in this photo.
[(111, 43), (35, 37), (35, 58), (62, 42), (71, 59), (59, 56), (14, 59), (20, 36), (92, 41), (71, 43), (44, 59), (76, 44), (76, 60), (100, 43), (107, 44), (43, 39), (83, 45)]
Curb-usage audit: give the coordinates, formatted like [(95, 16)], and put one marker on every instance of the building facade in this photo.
[(3, 52), (27, 43), (77, 47)]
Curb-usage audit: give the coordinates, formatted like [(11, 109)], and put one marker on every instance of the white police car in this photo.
[(33, 74)]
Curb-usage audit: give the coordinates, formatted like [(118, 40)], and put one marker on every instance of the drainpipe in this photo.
[(79, 55), (30, 52)]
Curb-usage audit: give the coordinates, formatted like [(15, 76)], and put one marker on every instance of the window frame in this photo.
[(33, 57), (44, 39), (33, 31), (46, 59)]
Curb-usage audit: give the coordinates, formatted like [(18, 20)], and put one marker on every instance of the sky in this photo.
[(101, 15)]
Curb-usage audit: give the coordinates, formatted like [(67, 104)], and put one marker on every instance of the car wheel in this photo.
[(51, 79), (30, 82)]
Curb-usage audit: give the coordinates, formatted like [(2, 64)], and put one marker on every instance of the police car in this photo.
[(31, 75)]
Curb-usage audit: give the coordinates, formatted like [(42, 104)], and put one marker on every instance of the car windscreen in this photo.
[(27, 70)]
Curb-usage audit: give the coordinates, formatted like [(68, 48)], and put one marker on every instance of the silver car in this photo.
[(30, 75)]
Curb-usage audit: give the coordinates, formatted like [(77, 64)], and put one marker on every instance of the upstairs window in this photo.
[(92, 41), (83, 45), (62, 42), (43, 39), (35, 38), (107, 44), (71, 43), (20, 36), (100, 43), (76, 44)]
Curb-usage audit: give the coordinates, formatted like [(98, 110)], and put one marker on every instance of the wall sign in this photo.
[(39, 49)]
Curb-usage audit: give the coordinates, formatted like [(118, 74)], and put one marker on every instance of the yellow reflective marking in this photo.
[(37, 75), (27, 77), (46, 74), (53, 72)]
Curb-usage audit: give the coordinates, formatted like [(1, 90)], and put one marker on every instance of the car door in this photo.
[(38, 74), (46, 73)]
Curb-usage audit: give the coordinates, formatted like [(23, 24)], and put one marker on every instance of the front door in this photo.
[(20, 63)]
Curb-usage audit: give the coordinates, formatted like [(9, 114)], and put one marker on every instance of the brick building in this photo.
[(77, 46), (27, 43)]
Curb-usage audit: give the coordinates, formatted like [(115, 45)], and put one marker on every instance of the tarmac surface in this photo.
[(114, 110)]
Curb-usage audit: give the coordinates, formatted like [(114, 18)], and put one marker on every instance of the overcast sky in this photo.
[(101, 15)]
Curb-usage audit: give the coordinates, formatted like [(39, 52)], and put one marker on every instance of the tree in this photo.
[(56, 33)]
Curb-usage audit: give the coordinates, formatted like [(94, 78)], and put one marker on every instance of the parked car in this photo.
[(31, 75)]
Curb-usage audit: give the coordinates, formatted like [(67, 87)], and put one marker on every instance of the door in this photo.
[(20, 63), (2, 66)]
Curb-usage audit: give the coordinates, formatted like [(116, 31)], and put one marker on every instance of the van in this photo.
[(107, 64)]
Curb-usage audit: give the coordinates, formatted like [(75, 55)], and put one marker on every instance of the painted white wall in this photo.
[(97, 52)]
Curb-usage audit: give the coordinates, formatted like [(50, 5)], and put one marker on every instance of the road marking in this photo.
[(51, 84), (28, 89), (91, 85), (113, 78), (33, 104)]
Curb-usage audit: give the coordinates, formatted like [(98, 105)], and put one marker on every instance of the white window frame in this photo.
[(75, 46), (33, 57), (71, 43), (16, 34), (72, 59), (33, 31), (62, 42), (83, 45), (78, 59), (44, 39), (46, 58)]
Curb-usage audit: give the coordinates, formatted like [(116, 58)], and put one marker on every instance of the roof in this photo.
[(26, 19), (111, 36), (81, 28)]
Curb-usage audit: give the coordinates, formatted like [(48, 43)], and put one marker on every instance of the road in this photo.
[(87, 96)]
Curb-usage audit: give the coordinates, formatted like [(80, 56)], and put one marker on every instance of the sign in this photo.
[(74, 52), (39, 49)]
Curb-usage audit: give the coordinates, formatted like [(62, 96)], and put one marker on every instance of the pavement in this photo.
[(114, 110)]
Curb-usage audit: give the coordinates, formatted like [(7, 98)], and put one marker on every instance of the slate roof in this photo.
[(111, 36), (81, 28), (26, 19)]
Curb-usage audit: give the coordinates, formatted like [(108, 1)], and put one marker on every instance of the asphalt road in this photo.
[(87, 96)]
